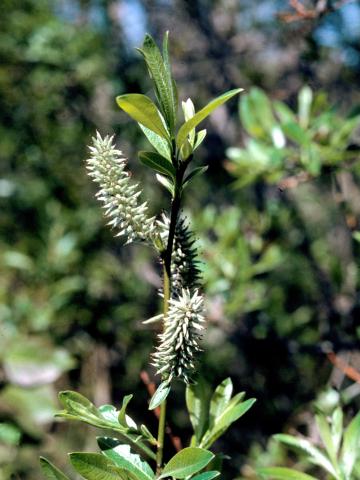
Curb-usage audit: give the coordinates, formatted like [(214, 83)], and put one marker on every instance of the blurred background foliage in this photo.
[(277, 215)]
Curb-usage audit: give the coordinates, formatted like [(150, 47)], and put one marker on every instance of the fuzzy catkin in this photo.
[(185, 272), (119, 196), (179, 343)]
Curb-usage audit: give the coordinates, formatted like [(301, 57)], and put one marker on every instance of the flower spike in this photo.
[(179, 344), (119, 196), (184, 264)]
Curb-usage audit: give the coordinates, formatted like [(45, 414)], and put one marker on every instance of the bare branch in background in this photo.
[(301, 12)]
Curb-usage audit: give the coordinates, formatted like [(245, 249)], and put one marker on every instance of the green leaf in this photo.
[(147, 434), (187, 462), (93, 466), (165, 182), (143, 110), (194, 173), (165, 51), (249, 119), (30, 408), (189, 112), (197, 402), (161, 74), (261, 108), (122, 414), (160, 395), (188, 109), (157, 163), (122, 457), (122, 473), (77, 407), (186, 150), (295, 133), (109, 413), (356, 236), (232, 413), (50, 471), (202, 114), (340, 136), (351, 445), (337, 428), (326, 436), (206, 475), (17, 260), (166, 58), (304, 106), (281, 473), (199, 138), (236, 399), (284, 113), (9, 434), (77, 403), (217, 462), (34, 361), (220, 399), (314, 455), (157, 142)]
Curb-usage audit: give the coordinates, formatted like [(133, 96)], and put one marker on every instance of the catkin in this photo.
[(106, 166), (185, 272), (179, 343)]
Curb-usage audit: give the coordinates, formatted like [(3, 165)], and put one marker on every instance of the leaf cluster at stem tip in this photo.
[(158, 120)]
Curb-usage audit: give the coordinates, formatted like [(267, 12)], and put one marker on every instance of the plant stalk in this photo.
[(175, 208)]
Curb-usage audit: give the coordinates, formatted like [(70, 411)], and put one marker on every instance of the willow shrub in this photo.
[(132, 451)]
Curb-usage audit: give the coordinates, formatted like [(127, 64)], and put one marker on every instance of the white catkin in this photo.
[(106, 166), (179, 343)]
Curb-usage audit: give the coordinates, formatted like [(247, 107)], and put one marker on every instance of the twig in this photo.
[(294, 181), (322, 8), (347, 369), (150, 386)]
